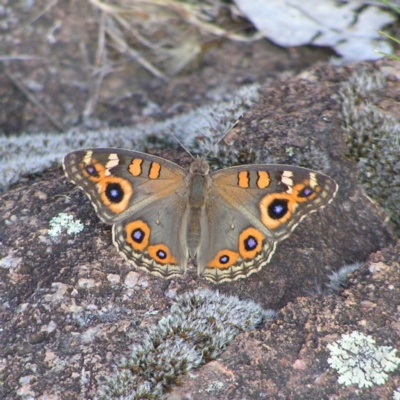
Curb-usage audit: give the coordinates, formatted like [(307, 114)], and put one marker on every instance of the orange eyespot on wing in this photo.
[(115, 193), (250, 243), (137, 234), (161, 254), (305, 192), (278, 208), (93, 170), (223, 259)]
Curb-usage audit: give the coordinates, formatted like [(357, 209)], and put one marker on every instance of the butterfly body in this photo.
[(162, 215)]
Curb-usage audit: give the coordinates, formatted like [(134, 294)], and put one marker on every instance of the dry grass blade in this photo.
[(118, 37), (158, 32), (100, 71), (123, 47), (21, 57), (189, 14)]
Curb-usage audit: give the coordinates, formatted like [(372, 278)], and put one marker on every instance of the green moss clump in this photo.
[(200, 325), (373, 140)]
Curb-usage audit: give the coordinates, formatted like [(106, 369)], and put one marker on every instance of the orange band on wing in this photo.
[(135, 167), (154, 170), (263, 180), (243, 179)]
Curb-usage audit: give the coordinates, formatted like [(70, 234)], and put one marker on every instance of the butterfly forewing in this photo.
[(119, 182)]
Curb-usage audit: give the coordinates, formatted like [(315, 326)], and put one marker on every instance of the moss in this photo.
[(373, 139), (199, 326)]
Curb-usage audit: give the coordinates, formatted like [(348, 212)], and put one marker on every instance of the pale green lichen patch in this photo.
[(360, 362), (66, 222)]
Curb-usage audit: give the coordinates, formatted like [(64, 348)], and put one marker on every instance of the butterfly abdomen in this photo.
[(198, 189)]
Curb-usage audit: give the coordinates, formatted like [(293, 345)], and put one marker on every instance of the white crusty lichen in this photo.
[(199, 326), (33, 153), (64, 221), (360, 362), (396, 394)]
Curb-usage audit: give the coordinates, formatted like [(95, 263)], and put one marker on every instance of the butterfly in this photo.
[(162, 215)]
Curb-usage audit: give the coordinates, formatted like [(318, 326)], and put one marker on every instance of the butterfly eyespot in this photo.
[(306, 192), (115, 193), (278, 208), (137, 234), (161, 254), (250, 243), (223, 259), (94, 171), (91, 170)]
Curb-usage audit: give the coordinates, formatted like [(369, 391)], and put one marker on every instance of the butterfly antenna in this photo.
[(234, 125), (183, 146)]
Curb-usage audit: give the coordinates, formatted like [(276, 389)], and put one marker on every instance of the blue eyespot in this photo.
[(161, 255), (278, 208), (137, 235), (306, 192), (114, 192), (224, 259), (91, 170), (250, 243)]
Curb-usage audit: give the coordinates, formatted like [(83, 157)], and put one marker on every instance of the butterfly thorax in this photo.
[(199, 166)]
